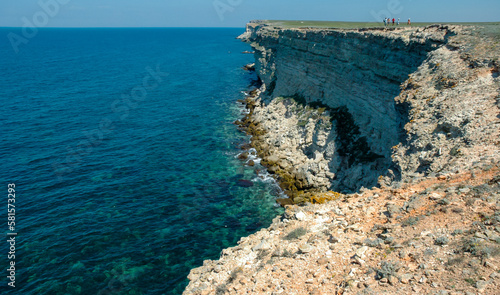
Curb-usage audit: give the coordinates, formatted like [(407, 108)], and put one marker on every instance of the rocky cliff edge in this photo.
[(417, 179)]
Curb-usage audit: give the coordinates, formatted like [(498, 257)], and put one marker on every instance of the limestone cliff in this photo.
[(418, 98)]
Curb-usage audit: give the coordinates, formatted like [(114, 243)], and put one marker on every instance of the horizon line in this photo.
[(71, 27)]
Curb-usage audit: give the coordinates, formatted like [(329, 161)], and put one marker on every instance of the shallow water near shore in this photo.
[(124, 155)]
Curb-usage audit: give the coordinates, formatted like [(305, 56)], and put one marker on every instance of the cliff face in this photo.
[(365, 72), (362, 70), (416, 110)]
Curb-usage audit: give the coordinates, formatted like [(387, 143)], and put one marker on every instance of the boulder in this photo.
[(244, 183)]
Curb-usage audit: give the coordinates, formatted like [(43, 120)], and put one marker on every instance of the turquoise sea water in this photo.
[(121, 145)]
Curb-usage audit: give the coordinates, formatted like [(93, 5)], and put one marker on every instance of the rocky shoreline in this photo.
[(387, 144), (289, 166)]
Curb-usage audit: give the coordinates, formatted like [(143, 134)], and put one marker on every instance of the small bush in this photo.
[(287, 254), (484, 217), (489, 251), (375, 243), (262, 254), (410, 221), (441, 241), (295, 234), (443, 202), (429, 252), (234, 274), (456, 152), (479, 248), (470, 281), (471, 245), (479, 224), (302, 123), (481, 189), (470, 202), (387, 269), (221, 290), (455, 261)]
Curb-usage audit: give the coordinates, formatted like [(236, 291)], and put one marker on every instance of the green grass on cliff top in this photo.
[(491, 28)]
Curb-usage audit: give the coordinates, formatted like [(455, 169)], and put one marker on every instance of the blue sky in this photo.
[(233, 13)]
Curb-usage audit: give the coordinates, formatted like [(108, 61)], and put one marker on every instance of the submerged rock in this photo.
[(244, 183), (249, 67), (243, 156), (284, 202)]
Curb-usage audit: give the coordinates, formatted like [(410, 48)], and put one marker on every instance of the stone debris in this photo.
[(328, 258)]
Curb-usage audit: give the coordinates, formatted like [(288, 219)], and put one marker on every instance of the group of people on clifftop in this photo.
[(387, 21)]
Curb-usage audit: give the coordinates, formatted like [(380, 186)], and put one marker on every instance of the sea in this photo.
[(119, 157)]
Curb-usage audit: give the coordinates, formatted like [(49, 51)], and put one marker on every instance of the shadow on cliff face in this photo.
[(351, 146)]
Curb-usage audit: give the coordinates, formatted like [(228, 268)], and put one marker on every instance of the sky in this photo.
[(234, 13)]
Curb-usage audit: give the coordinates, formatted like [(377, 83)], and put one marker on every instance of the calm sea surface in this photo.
[(122, 150)]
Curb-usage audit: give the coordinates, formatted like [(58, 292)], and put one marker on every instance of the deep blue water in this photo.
[(121, 145)]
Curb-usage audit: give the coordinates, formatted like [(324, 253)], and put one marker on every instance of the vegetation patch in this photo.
[(410, 221), (441, 241), (472, 282), (234, 274), (387, 269), (324, 197), (455, 261), (480, 248), (295, 234)]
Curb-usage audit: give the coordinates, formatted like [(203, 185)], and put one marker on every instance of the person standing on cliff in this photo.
[(398, 21), (385, 21), (409, 22), (393, 21)]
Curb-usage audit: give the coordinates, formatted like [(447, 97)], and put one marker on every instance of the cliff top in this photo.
[(491, 29), (356, 25)]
